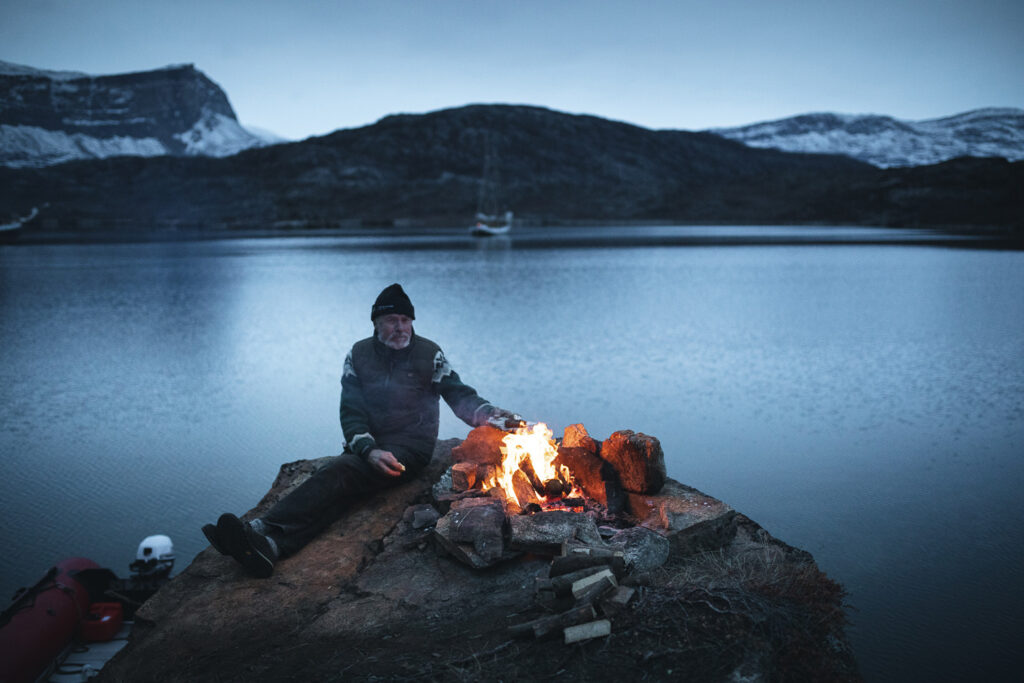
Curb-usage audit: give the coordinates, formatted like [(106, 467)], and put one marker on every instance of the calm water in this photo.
[(863, 402)]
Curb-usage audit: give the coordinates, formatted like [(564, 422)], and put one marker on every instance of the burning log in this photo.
[(525, 491), (545, 626), (527, 468)]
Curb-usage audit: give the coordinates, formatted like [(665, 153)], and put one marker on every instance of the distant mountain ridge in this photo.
[(425, 170), (887, 142), (49, 117)]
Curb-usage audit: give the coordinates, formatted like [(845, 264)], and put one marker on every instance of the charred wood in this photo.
[(555, 488)]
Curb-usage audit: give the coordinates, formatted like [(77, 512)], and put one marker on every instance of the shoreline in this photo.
[(567, 234)]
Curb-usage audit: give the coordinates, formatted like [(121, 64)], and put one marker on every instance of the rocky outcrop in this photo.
[(375, 597)]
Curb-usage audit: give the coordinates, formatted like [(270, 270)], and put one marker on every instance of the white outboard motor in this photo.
[(155, 556)]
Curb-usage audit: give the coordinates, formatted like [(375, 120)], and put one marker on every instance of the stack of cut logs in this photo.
[(582, 586)]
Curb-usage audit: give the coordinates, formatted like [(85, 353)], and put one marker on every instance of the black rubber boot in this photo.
[(213, 536), (252, 550)]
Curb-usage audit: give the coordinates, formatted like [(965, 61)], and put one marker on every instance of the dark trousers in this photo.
[(297, 518)]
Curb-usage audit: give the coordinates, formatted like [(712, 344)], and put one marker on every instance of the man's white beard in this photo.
[(391, 344)]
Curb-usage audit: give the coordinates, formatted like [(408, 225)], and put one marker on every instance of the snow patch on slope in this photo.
[(32, 147), (886, 142), (217, 135)]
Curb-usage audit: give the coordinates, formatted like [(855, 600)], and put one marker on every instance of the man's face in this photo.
[(394, 329)]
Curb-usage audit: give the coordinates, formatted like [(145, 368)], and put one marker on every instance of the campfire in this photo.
[(510, 493), (528, 474)]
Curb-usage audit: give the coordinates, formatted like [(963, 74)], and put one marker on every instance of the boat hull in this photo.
[(487, 230), (42, 621), (487, 225)]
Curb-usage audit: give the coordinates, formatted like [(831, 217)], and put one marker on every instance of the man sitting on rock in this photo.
[(390, 390)]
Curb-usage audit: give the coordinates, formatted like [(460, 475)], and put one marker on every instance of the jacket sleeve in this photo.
[(467, 405), (353, 413)]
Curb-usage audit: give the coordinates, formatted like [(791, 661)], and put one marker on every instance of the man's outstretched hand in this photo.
[(504, 419), (385, 462)]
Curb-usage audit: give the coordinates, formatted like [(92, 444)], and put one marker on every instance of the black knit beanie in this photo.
[(392, 300)]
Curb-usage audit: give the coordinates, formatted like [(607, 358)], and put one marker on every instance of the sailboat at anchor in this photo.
[(490, 218)]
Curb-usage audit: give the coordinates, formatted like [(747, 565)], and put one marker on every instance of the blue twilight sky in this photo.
[(308, 67)]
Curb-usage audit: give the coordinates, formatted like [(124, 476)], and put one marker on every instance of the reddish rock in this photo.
[(482, 446), (463, 476), (576, 436), (638, 459), (596, 477)]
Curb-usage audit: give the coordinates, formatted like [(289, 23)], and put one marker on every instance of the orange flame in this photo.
[(533, 444)]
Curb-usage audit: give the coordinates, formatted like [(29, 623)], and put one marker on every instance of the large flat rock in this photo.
[(375, 598)]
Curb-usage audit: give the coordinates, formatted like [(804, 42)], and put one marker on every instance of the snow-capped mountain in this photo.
[(887, 142), (49, 117)]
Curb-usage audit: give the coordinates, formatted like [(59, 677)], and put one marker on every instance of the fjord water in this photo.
[(862, 401)]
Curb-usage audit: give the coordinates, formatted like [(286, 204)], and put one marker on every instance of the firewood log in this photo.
[(524, 489), (562, 585), (593, 629), (572, 563), (545, 626), (580, 548), (527, 467), (590, 588)]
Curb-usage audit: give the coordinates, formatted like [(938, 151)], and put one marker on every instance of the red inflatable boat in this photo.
[(42, 620), (77, 606)]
